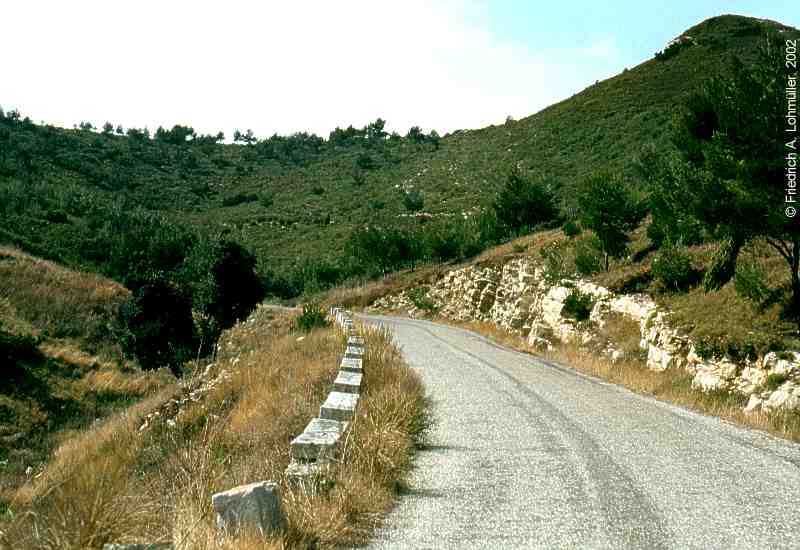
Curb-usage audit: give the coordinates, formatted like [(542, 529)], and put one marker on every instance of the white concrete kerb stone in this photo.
[(339, 406), (348, 382), (318, 441), (352, 364)]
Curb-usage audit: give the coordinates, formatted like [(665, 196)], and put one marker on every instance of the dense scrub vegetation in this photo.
[(294, 200)]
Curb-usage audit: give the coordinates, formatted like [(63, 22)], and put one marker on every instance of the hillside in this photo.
[(295, 199), (62, 368)]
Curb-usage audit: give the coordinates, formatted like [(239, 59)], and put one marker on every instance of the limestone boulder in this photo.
[(753, 404), (786, 397), (714, 375), (785, 363), (254, 506)]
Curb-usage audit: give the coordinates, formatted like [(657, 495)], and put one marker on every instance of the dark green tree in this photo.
[(414, 200), (731, 139), (524, 203), (375, 130), (611, 210), (157, 325)]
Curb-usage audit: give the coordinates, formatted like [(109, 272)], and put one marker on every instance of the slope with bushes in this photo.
[(62, 366), (290, 199)]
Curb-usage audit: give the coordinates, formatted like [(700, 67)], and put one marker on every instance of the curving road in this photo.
[(527, 454)]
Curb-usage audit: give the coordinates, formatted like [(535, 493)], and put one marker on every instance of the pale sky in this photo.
[(311, 66)]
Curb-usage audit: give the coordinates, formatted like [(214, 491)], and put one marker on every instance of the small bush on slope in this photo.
[(672, 267), (313, 316), (577, 306)]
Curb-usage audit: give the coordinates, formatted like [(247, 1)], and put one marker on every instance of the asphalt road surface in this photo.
[(527, 454)]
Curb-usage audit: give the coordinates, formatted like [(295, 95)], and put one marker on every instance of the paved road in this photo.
[(530, 455)]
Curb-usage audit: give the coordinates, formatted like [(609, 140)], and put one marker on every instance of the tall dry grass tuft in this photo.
[(127, 485), (87, 495)]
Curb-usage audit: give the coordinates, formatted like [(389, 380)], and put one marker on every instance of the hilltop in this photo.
[(296, 199)]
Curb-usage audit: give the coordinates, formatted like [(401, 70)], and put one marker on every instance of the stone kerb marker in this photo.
[(339, 406), (348, 382), (354, 352), (352, 364), (318, 441), (313, 450)]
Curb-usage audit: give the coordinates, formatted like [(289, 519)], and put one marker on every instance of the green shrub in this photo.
[(56, 216), (674, 49), (723, 265), (414, 200), (672, 267), (571, 229), (419, 297), (313, 316), (588, 256), (15, 353), (555, 264), (577, 306), (775, 380), (239, 198), (365, 162), (266, 200), (524, 203), (749, 282)]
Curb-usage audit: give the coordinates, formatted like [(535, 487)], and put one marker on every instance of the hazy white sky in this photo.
[(292, 66)]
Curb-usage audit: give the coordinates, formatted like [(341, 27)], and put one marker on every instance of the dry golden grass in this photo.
[(115, 483), (360, 295), (77, 378), (57, 301), (530, 243)]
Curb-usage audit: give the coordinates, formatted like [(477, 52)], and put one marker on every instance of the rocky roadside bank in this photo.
[(517, 298)]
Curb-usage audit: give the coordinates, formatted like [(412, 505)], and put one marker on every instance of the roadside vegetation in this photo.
[(706, 237), (117, 482)]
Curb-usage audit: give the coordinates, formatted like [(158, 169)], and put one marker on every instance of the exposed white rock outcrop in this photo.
[(516, 297)]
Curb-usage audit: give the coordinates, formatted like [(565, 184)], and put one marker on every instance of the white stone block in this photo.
[(352, 364), (318, 441), (339, 406), (348, 382), (354, 352)]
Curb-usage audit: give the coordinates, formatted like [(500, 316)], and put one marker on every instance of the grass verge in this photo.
[(117, 483)]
